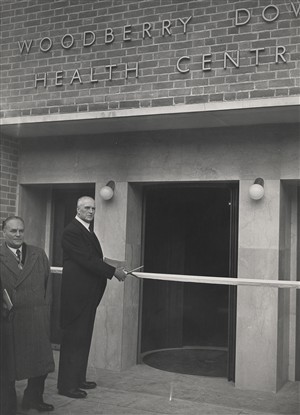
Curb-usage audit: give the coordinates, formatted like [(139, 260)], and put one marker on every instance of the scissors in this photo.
[(134, 269)]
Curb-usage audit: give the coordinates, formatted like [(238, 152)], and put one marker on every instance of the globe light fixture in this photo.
[(256, 190), (107, 191)]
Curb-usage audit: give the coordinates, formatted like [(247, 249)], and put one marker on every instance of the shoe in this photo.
[(73, 393), (88, 385), (39, 406)]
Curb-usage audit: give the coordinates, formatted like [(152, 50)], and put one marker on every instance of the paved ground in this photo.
[(143, 390)]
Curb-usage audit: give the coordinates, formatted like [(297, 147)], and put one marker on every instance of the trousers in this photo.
[(33, 393), (74, 350)]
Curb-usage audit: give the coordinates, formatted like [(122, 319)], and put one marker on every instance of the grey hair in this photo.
[(80, 200), (9, 218)]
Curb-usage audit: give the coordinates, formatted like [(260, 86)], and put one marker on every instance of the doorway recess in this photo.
[(190, 230)]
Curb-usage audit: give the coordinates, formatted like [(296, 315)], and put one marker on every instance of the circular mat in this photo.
[(189, 361)]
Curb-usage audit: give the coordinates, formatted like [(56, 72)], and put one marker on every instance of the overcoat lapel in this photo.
[(7, 257), (30, 260), (9, 260)]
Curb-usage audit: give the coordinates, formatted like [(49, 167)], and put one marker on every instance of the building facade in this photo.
[(183, 104)]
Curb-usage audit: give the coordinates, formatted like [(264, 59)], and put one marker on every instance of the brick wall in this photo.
[(8, 176), (179, 61)]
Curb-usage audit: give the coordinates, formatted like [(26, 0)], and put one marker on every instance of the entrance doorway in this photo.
[(190, 230)]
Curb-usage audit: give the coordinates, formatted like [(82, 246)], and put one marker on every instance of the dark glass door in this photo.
[(190, 230)]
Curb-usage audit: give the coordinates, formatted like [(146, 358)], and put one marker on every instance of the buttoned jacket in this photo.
[(29, 288), (85, 273)]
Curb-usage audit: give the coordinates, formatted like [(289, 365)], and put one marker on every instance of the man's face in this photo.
[(14, 233), (86, 209)]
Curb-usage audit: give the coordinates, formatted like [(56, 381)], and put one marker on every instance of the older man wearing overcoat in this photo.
[(25, 275)]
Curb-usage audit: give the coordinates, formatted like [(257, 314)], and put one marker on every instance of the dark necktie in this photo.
[(19, 257)]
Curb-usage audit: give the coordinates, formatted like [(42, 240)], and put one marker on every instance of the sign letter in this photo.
[(296, 12), (68, 46), (43, 78), (206, 59), (236, 63), (271, 19), (47, 39), (136, 70), (146, 29), (166, 24), (27, 44), (93, 80), (86, 35), (237, 15), (185, 23), (76, 77), (109, 35), (179, 62), (256, 54), (58, 78), (280, 54), (127, 31), (110, 68)]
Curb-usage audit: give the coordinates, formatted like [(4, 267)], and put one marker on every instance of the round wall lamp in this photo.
[(107, 191), (256, 190)]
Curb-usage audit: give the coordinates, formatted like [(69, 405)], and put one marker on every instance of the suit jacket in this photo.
[(29, 322), (84, 275)]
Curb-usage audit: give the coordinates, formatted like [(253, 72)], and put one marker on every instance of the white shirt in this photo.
[(85, 224), (14, 250)]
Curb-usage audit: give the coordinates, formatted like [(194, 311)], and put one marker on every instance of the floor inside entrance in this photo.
[(144, 390), (189, 361)]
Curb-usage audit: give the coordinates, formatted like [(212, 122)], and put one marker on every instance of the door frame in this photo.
[(297, 334)]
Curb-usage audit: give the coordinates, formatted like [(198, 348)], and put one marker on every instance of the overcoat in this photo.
[(29, 322), (85, 273)]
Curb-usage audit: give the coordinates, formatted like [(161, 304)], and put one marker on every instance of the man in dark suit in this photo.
[(25, 275), (84, 279)]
